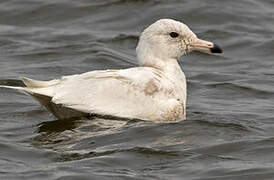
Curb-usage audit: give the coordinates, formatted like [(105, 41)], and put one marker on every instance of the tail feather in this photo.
[(21, 89), (13, 87), (35, 87), (43, 95)]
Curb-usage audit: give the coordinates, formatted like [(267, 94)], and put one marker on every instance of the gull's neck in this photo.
[(149, 55), (169, 66)]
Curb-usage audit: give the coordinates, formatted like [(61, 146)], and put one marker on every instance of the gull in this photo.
[(154, 91)]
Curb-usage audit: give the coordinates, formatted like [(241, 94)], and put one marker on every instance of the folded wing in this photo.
[(127, 93)]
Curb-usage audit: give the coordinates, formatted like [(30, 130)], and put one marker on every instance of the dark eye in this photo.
[(173, 34)]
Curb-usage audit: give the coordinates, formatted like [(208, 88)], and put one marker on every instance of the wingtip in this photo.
[(38, 84), (27, 81)]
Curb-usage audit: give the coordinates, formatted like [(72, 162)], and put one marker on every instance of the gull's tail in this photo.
[(32, 85), (14, 87), (43, 92)]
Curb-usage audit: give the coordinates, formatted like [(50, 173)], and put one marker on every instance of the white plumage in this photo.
[(154, 91)]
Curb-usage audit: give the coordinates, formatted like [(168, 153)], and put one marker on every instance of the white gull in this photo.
[(155, 91)]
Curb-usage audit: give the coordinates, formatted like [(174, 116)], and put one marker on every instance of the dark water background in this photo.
[(229, 131)]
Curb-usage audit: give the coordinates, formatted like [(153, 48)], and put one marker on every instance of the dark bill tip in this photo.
[(216, 49)]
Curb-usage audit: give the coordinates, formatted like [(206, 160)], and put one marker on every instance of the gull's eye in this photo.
[(173, 34)]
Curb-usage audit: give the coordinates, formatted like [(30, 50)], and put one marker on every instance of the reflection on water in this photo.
[(62, 134)]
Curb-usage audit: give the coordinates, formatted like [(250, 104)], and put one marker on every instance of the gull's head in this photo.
[(167, 39)]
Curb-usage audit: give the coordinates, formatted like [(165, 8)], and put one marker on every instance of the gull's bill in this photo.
[(204, 46)]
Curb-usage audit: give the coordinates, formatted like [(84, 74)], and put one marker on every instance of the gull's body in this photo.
[(154, 91)]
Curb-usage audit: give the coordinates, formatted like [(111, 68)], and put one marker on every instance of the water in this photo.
[(229, 131)]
